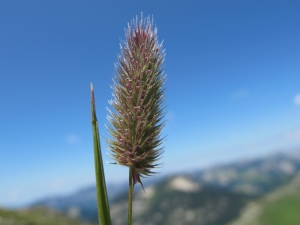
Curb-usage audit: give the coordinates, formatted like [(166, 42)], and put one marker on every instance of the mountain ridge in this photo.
[(240, 182)]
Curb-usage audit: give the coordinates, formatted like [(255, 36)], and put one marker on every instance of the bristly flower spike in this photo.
[(137, 120)]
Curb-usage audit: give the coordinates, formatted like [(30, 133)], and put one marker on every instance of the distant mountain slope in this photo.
[(37, 216), (240, 181), (82, 204), (179, 200), (281, 207), (253, 177)]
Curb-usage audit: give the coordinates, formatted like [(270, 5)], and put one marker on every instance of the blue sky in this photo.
[(232, 90)]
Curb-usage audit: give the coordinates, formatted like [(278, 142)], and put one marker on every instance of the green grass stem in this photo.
[(130, 193)]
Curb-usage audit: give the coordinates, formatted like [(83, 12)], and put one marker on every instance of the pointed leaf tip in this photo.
[(92, 88)]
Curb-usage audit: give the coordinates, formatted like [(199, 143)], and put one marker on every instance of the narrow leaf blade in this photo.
[(102, 200)]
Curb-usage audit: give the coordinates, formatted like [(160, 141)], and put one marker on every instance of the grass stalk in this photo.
[(130, 195)]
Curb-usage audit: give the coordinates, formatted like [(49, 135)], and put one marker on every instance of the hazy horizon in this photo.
[(157, 177)]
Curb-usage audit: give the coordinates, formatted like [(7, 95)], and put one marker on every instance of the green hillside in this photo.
[(281, 207), (37, 216)]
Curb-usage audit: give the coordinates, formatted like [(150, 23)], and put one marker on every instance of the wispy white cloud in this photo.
[(170, 115), (57, 184), (72, 139), (283, 141), (240, 94), (13, 195), (293, 135), (297, 100)]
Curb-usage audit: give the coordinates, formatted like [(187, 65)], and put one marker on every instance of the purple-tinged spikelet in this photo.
[(136, 122)]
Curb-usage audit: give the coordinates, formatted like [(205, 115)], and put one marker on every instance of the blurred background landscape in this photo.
[(232, 154), (258, 191)]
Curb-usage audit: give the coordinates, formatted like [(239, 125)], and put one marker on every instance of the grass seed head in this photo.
[(137, 119)]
